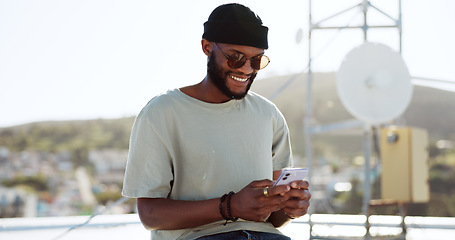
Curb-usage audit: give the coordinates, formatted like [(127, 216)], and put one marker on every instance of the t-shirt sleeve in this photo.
[(149, 167), (281, 147)]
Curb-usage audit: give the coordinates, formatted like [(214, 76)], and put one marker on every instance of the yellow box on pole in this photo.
[(404, 158)]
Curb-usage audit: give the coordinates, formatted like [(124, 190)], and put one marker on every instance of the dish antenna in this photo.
[(373, 83)]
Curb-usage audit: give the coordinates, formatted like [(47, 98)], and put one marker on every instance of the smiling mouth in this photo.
[(238, 79)]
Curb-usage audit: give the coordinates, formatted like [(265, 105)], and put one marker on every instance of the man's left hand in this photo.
[(299, 199)]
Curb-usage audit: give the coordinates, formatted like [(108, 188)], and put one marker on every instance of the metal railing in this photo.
[(325, 226)]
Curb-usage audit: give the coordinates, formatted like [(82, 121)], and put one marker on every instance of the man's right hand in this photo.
[(252, 204)]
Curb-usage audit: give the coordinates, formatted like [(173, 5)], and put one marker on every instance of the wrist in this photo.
[(229, 208), (225, 208), (222, 209)]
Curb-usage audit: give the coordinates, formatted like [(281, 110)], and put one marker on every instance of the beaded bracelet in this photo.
[(228, 206), (221, 207)]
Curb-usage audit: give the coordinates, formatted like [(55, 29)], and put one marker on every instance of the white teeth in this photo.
[(239, 79)]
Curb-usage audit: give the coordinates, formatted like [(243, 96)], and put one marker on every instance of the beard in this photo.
[(219, 78)]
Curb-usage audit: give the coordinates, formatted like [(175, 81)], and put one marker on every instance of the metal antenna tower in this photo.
[(311, 129)]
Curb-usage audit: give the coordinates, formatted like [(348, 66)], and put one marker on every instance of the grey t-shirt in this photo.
[(185, 149)]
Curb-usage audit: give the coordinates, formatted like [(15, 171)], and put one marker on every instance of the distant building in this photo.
[(15, 202), (109, 164)]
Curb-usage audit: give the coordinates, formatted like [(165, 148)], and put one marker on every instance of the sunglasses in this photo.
[(237, 60)]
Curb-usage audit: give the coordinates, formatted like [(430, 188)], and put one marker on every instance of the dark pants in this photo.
[(245, 235)]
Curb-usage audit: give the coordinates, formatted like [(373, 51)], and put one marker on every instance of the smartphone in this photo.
[(289, 175)]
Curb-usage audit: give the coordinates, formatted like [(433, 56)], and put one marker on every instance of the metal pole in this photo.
[(307, 118), (365, 23), (399, 24), (367, 143), (366, 187)]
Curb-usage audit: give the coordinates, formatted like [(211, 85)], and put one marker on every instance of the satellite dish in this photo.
[(373, 83)]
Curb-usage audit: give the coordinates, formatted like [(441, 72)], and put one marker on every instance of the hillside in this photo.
[(75, 137)]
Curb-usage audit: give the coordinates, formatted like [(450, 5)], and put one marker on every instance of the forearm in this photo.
[(168, 214)]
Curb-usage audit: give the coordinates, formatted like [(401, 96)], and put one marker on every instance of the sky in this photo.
[(87, 59)]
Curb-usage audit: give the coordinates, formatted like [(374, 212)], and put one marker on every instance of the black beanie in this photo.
[(236, 24)]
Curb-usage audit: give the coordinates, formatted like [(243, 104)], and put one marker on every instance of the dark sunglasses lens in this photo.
[(236, 60), (260, 62)]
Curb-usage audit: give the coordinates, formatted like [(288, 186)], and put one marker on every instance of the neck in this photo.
[(205, 91)]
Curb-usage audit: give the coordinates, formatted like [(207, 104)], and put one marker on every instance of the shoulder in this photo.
[(164, 100), (261, 102), (255, 97), (264, 106), (161, 104)]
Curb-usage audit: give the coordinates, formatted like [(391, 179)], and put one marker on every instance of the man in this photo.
[(198, 153)]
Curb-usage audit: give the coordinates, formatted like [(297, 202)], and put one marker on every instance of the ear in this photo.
[(206, 47)]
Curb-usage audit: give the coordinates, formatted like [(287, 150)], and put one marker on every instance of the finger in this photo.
[(296, 207), (295, 212), (261, 183), (300, 184), (273, 203), (302, 194), (296, 204), (278, 190)]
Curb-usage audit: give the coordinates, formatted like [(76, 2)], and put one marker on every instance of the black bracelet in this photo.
[(228, 206), (221, 207)]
